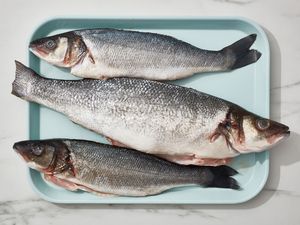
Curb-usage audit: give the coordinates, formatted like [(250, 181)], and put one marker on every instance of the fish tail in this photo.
[(240, 54), (23, 79), (222, 178)]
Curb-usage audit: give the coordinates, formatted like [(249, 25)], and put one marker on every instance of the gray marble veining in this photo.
[(237, 2), (286, 86), (35, 211)]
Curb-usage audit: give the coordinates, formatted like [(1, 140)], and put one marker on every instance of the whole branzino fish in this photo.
[(106, 53), (105, 169), (177, 123)]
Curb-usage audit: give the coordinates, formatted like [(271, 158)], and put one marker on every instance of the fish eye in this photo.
[(50, 44), (263, 124), (37, 151)]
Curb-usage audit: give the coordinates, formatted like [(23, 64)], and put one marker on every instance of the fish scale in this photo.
[(107, 53), (126, 168), (177, 123), (164, 114), (101, 168)]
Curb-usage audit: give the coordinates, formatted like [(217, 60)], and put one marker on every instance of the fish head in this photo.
[(46, 156), (63, 50), (247, 132)]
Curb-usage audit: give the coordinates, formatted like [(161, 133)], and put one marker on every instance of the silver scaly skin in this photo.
[(177, 123), (107, 53), (104, 169)]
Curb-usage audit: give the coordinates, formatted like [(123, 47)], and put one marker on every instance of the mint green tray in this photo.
[(248, 87)]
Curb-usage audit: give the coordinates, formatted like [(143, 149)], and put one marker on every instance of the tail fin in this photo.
[(23, 80), (239, 53), (222, 178)]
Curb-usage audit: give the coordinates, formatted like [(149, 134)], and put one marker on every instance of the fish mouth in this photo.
[(20, 150), (37, 51), (287, 133), (284, 134), (279, 136), (32, 47), (284, 131), (17, 147)]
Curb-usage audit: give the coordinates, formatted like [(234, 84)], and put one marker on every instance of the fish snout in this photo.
[(285, 131), (21, 149), (33, 46), (278, 132), (37, 49), (281, 129)]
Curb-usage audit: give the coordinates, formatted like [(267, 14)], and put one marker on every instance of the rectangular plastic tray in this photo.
[(248, 87)]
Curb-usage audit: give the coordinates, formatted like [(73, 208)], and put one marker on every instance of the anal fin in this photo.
[(213, 162), (115, 143), (91, 57)]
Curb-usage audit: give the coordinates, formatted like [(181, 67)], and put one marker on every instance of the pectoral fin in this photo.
[(61, 182), (91, 58)]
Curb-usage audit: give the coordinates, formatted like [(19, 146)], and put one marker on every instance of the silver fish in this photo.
[(104, 169), (107, 53), (177, 123)]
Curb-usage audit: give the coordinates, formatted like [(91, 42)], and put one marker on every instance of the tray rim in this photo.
[(266, 44)]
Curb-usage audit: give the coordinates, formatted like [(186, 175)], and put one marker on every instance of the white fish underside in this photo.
[(121, 130), (102, 70)]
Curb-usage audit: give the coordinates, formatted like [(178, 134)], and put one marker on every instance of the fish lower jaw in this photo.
[(34, 166), (260, 148), (252, 149)]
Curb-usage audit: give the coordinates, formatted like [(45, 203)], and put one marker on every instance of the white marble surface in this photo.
[(278, 203)]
